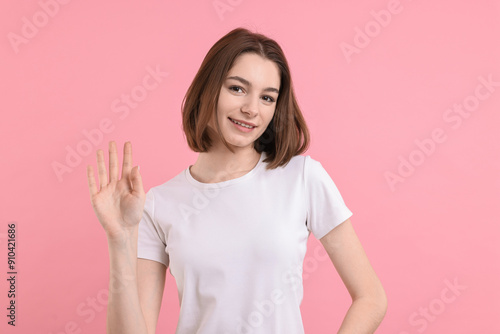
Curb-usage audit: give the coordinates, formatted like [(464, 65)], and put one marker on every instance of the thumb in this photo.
[(136, 181)]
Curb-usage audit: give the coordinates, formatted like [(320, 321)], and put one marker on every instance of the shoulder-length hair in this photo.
[(287, 134)]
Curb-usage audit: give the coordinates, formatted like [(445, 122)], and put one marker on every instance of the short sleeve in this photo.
[(325, 207), (151, 240)]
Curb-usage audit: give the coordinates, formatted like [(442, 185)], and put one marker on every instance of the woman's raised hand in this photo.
[(117, 203)]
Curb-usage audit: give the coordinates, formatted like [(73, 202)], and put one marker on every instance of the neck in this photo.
[(220, 164)]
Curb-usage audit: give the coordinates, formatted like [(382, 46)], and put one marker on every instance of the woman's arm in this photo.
[(369, 302), (135, 291), (151, 283), (124, 313), (135, 288)]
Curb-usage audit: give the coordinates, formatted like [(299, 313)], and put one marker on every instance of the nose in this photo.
[(251, 105)]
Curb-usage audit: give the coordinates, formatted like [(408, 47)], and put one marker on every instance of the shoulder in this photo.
[(293, 168), (304, 165), (311, 167), (315, 173), (170, 186)]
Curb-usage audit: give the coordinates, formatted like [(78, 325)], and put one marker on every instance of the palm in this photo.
[(120, 202)]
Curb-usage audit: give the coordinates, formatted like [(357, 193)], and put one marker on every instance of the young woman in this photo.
[(233, 227)]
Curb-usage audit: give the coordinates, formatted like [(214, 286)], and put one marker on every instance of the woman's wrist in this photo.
[(123, 236)]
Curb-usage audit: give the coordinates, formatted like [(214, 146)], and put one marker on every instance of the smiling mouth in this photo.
[(242, 124)]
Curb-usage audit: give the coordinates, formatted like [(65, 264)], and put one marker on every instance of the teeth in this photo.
[(246, 126)]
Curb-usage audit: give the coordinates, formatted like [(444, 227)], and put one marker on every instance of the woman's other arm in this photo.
[(369, 301)]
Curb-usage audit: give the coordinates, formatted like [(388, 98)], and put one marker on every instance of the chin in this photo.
[(239, 143)]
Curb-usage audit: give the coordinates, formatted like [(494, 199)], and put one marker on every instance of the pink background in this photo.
[(439, 223)]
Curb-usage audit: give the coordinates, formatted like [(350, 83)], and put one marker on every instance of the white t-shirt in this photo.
[(236, 248)]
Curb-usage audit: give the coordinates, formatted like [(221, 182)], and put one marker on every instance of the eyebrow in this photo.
[(246, 82)]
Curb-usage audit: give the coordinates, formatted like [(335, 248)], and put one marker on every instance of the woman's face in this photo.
[(249, 94)]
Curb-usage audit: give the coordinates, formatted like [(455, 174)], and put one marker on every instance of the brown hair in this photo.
[(286, 135)]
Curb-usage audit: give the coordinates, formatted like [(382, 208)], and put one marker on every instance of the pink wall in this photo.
[(381, 96)]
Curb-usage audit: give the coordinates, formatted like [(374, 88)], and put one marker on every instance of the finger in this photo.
[(113, 162), (103, 177), (91, 180), (127, 160), (137, 187)]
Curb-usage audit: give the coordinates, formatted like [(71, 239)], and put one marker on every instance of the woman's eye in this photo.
[(234, 87), (238, 88)]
